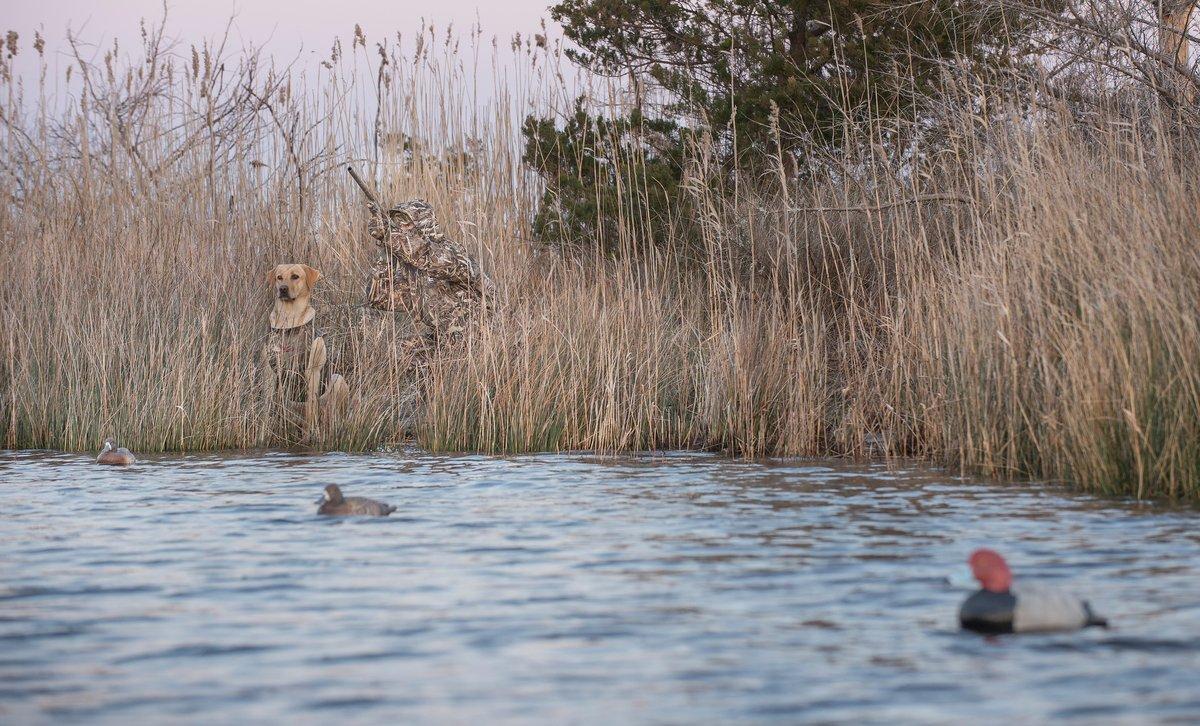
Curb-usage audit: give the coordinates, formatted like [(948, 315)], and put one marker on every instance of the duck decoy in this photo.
[(333, 503), (1000, 606), (112, 456)]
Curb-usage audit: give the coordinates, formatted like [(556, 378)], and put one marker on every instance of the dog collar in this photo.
[(307, 319)]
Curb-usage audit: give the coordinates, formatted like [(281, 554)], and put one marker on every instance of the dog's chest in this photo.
[(290, 343), (287, 352)]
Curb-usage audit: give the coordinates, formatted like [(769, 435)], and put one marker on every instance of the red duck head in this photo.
[(991, 570)]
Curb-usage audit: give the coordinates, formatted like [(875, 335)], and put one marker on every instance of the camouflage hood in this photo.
[(418, 213)]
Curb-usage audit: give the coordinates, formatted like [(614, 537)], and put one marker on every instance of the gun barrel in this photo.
[(363, 186)]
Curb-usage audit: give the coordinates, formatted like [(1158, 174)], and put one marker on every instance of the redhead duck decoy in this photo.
[(1002, 607), (333, 503), (113, 456)]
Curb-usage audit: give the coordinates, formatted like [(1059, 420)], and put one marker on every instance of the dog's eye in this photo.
[(295, 276)]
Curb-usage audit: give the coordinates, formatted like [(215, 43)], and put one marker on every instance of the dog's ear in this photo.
[(311, 275)]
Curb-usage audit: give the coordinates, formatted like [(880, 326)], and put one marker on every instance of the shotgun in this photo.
[(363, 186), (379, 207)]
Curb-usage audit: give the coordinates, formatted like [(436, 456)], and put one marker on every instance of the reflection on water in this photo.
[(678, 588)]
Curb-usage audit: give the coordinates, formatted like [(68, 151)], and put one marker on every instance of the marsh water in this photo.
[(673, 588)]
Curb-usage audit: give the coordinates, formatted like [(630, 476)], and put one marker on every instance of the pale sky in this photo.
[(285, 26)]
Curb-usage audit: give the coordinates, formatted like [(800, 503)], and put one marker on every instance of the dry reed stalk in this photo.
[(1033, 316)]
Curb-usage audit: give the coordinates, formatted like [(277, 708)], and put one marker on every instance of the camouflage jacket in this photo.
[(422, 272)]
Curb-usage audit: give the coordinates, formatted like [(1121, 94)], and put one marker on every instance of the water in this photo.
[(679, 588)]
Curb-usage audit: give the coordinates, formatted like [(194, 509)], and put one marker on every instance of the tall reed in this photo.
[(1019, 300)]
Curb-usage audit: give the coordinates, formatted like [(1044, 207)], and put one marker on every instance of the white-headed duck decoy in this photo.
[(113, 456), (333, 503), (1002, 607)]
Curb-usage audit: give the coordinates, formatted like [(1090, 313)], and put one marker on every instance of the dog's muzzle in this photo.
[(284, 294)]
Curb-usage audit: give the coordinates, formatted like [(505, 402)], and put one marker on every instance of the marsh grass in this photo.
[(1019, 300)]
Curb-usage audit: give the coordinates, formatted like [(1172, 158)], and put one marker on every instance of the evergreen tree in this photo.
[(753, 73)]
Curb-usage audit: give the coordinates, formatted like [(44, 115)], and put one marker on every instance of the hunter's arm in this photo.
[(437, 257)]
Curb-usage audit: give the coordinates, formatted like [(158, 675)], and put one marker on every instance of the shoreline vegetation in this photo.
[(1018, 299)]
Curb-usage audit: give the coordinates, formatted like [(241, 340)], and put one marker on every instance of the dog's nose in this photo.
[(283, 292)]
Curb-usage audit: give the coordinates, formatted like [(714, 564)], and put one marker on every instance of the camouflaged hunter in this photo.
[(424, 274)]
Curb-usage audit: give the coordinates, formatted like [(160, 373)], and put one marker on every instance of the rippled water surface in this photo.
[(680, 588)]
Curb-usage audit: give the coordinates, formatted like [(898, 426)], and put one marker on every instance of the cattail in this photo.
[(10, 42)]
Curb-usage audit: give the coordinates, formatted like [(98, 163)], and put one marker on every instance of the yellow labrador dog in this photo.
[(295, 350), (292, 287)]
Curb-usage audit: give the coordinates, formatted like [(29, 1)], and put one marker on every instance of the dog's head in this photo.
[(293, 282)]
